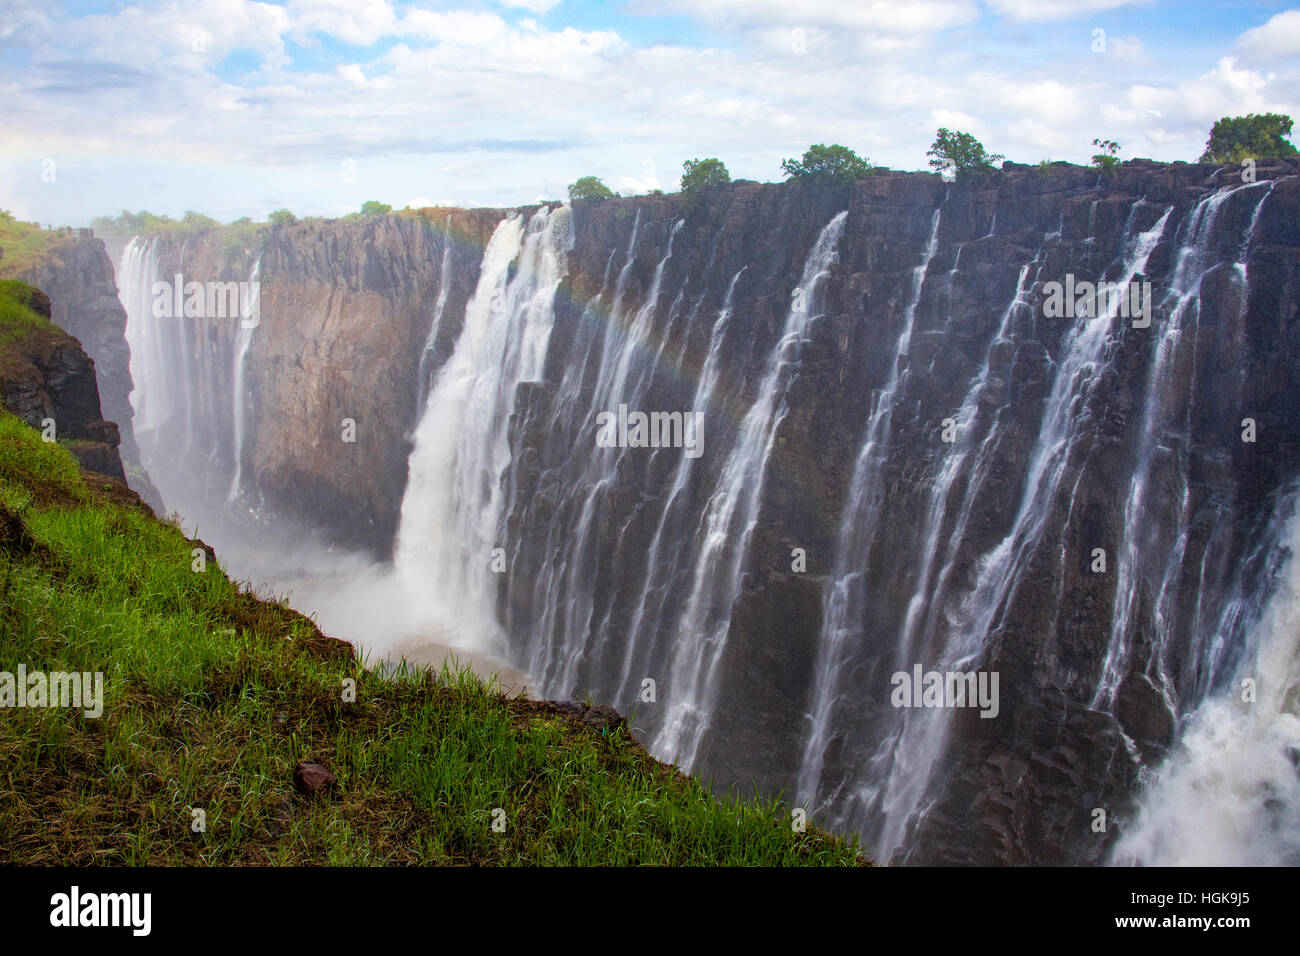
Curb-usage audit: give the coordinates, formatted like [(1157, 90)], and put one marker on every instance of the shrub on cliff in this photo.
[(373, 207), (961, 153), (822, 165), (1108, 158), (281, 217), (589, 189), (1237, 138)]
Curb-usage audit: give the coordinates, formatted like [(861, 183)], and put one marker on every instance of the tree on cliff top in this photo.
[(699, 175), (373, 207), (589, 189), (282, 217), (1237, 138), (827, 165), (961, 153)]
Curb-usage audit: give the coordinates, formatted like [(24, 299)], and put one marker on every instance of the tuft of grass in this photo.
[(213, 695)]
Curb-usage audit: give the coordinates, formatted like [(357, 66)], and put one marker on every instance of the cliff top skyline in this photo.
[(237, 108)]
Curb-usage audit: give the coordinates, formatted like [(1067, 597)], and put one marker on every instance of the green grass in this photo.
[(25, 245), (17, 320), (213, 695)]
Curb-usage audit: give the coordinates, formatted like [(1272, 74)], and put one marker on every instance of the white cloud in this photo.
[(1278, 39), (876, 16), (358, 22), (1228, 89), (474, 104), (1039, 10), (532, 6), (353, 74), (460, 27), (185, 37)]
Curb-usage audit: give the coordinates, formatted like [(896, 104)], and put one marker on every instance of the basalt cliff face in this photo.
[(48, 381), (342, 320), (83, 301), (909, 460)]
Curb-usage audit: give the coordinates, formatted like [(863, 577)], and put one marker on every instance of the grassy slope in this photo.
[(213, 696), (25, 245)]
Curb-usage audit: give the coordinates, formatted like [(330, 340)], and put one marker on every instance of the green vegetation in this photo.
[(373, 207), (1108, 158), (827, 166), (25, 245), (18, 321), (281, 217), (1235, 139), (960, 152), (212, 696), (240, 236), (699, 175), (144, 222), (589, 189)]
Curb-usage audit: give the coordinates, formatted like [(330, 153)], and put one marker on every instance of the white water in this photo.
[(249, 319), (1230, 794), (565, 589), (453, 500), (136, 272), (1162, 428), (729, 521), (655, 589), (426, 373), (843, 597)]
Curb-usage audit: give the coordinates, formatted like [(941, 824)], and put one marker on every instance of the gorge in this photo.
[(906, 462)]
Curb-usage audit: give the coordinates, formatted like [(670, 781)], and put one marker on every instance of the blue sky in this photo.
[(237, 107)]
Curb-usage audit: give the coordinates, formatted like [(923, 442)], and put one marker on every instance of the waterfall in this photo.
[(426, 370), (448, 536), (1163, 430), (250, 315), (729, 518), (571, 615), (659, 574), (845, 596), (1230, 794), (136, 272), (593, 567)]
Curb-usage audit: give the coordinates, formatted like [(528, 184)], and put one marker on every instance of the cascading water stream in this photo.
[(427, 372), (921, 740), (658, 579), (136, 273), (729, 519), (1230, 793), (568, 605), (451, 509), (845, 596), (1162, 419), (250, 316)]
